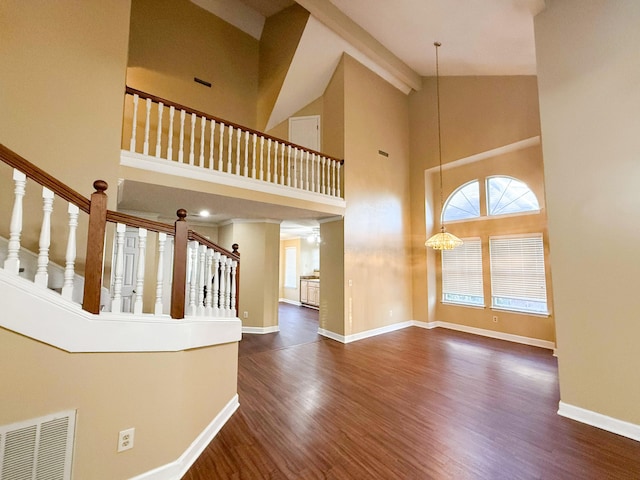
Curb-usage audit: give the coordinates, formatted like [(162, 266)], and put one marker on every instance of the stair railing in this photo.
[(167, 130), (205, 276)]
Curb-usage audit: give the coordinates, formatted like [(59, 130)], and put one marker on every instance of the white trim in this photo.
[(177, 469), (512, 147), (595, 419), (53, 320), (332, 335), (510, 337), (335, 218), (426, 325), (292, 302), (261, 330), (366, 334), (170, 167)]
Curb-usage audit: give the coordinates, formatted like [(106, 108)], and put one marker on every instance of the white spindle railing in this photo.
[(211, 283), (239, 151)]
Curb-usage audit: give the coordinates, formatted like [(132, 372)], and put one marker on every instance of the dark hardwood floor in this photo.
[(412, 404)]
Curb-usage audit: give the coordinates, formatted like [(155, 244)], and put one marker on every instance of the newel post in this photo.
[(235, 247), (95, 248), (179, 265)]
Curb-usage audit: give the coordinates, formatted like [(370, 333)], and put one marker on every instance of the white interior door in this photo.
[(305, 131), (129, 272)]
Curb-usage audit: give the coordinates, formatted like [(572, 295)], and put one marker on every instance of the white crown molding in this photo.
[(44, 315), (179, 468), (335, 218), (595, 419)]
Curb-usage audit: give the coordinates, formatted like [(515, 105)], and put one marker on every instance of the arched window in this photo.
[(507, 195), (463, 203)]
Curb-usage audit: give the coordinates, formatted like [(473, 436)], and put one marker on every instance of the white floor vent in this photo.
[(38, 449)]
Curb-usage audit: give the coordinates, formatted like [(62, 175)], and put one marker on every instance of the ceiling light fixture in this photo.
[(442, 240), (315, 236), (204, 213)]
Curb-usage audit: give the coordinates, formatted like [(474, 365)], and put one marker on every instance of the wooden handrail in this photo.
[(43, 178), (169, 103), (138, 222), (204, 241)]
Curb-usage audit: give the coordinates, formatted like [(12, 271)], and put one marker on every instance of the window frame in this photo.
[(450, 197), (507, 214)]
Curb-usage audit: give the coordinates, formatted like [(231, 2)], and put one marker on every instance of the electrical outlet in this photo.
[(495, 319), (245, 314), (125, 439)]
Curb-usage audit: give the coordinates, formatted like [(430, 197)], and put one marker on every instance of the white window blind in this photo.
[(462, 274), (290, 268), (517, 274)]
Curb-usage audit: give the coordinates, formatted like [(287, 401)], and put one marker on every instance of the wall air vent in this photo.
[(383, 153), (38, 449)]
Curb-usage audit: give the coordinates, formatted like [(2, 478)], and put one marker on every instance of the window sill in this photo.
[(518, 312)]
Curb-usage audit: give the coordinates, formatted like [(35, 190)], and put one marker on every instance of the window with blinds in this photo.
[(518, 280), (462, 274), (290, 267)]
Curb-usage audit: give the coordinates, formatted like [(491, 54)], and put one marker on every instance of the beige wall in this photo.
[(589, 100), (377, 222), (278, 44), (173, 41), (332, 283), (259, 247), (477, 114), (169, 398), (314, 108)]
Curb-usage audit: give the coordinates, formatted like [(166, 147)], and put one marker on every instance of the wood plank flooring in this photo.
[(412, 404)]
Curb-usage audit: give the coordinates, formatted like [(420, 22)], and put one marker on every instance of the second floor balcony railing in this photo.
[(166, 130)]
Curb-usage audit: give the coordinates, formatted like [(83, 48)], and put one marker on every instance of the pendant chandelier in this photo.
[(443, 240)]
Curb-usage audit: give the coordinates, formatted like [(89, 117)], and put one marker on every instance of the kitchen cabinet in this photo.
[(310, 292)]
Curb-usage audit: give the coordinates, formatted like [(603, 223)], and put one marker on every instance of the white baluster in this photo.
[(268, 160), (208, 283), (172, 111), (181, 151), (306, 170), (192, 139), (288, 165), (333, 178), (324, 177), (282, 164), (70, 257), (261, 158), (295, 167), (221, 148), (275, 162), (42, 276), (230, 149), (223, 285), (215, 297), (227, 292), (147, 126), (318, 181), (238, 138), (193, 284), (142, 249), (203, 124), (134, 124), (202, 250), (246, 154), (116, 300), (313, 170), (12, 262), (338, 180), (159, 136), (234, 267), (162, 240), (212, 144), (253, 156)]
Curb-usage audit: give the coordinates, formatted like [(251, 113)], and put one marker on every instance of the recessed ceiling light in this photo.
[(204, 213)]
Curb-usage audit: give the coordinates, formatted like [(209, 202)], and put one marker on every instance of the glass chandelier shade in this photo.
[(443, 240)]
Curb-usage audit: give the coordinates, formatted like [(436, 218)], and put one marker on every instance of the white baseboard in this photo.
[(332, 335), (366, 334), (292, 302), (176, 470), (610, 424), (534, 342), (261, 330)]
